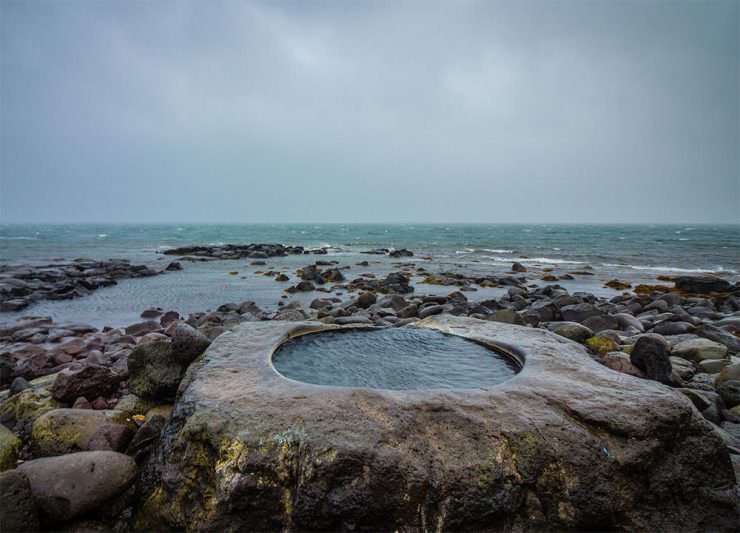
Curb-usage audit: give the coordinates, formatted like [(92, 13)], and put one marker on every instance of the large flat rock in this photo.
[(567, 443)]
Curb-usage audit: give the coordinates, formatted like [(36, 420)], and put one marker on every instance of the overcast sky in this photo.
[(456, 111)]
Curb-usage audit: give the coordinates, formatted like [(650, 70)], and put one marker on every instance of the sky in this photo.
[(377, 111)]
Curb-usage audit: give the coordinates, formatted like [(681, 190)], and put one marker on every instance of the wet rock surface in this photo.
[(20, 286), (566, 444)]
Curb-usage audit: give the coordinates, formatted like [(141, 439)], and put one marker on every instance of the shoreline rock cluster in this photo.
[(20, 286), (72, 395), (241, 251)]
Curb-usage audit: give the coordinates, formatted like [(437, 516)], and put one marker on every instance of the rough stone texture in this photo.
[(699, 349), (573, 331), (19, 411), (72, 430), (566, 444), (69, 485), (9, 447), (651, 355), (17, 506), (188, 343), (154, 373), (88, 381)]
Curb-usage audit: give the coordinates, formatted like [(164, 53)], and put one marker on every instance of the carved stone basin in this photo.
[(564, 444)]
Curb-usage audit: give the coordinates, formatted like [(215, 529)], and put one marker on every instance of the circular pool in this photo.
[(392, 358)]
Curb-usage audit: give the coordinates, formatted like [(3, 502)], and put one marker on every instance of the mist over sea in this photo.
[(637, 253)]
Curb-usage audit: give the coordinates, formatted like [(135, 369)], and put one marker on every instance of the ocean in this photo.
[(636, 253)]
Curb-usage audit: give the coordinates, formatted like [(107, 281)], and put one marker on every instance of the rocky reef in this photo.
[(20, 286)]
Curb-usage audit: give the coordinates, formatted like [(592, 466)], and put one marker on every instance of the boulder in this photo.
[(730, 372), (506, 316), (18, 511), (719, 335), (19, 411), (518, 267), (154, 371), (566, 445), (651, 355), (730, 393), (699, 349), (72, 430), (572, 330), (580, 312), (69, 485), (625, 320), (702, 284), (87, 380), (430, 310), (188, 343), (10, 445), (601, 323), (365, 300)]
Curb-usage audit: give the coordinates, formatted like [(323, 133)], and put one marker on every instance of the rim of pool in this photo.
[(511, 355)]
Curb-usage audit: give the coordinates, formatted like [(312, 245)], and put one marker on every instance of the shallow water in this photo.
[(637, 253), (396, 359)]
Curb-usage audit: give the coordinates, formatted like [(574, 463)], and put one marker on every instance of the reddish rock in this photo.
[(89, 381)]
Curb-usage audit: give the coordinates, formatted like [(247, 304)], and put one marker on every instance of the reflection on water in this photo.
[(398, 359)]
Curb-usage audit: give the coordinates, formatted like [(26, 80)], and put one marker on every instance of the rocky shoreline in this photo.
[(20, 286), (74, 396)]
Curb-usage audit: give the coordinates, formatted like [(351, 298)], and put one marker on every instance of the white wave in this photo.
[(18, 238), (535, 260), (497, 251), (102, 236), (683, 239), (674, 269), (465, 251), (180, 229)]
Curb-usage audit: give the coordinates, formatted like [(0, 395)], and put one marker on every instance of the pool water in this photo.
[(393, 358)]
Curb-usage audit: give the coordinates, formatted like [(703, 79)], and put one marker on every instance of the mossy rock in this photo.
[(73, 430), (131, 404), (601, 345), (154, 373), (164, 410), (10, 445), (20, 410)]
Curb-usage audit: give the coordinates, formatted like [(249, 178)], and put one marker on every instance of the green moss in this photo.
[(10, 445), (601, 345), (22, 409)]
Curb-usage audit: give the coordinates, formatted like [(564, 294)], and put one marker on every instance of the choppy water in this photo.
[(633, 252), (396, 359)]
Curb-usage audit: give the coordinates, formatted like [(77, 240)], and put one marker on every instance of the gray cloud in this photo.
[(379, 111)]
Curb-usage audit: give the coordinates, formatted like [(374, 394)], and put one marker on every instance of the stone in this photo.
[(188, 343), (673, 328), (10, 445), (730, 393), (142, 328), (89, 381), (518, 267), (572, 330), (173, 266), (601, 323), (712, 366), (702, 284), (580, 312), (620, 362), (730, 372), (651, 355), (287, 455), (154, 372), (20, 411), (19, 384), (699, 349), (365, 300), (72, 430), (18, 511), (719, 335), (625, 320), (430, 310), (147, 436), (131, 404), (506, 316), (70, 485)]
